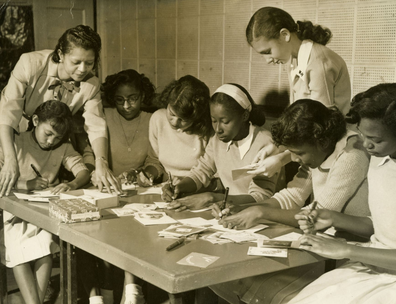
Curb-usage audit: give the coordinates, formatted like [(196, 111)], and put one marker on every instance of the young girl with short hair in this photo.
[(29, 248), (237, 122), (315, 71), (370, 275)]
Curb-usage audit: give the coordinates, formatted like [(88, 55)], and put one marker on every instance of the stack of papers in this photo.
[(37, 196), (131, 209)]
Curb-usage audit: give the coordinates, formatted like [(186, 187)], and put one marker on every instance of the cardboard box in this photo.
[(73, 210), (94, 196)]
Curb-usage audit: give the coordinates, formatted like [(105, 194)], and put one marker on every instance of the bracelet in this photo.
[(101, 158)]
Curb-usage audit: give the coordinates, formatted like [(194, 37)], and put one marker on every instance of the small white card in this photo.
[(271, 252)]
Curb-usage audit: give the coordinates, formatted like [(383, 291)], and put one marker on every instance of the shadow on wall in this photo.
[(274, 102)]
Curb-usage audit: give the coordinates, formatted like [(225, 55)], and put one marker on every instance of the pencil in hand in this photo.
[(223, 204), (171, 186), (35, 170)]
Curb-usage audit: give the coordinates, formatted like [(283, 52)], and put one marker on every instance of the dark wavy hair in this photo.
[(308, 121), (256, 115), (57, 113), (189, 98), (377, 103), (80, 36), (128, 77), (268, 21)]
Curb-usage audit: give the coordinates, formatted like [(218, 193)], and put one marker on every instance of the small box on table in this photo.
[(73, 210), (93, 196)]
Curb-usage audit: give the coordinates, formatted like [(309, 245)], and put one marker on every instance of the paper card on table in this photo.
[(331, 231), (44, 193), (154, 218), (198, 260), (217, 226), (292, 236), (215, 238), (39, 199), (22, 196), (242, 172), (239, 237), (161, 205), (150, 190), (271, 252), (131, 209), (196, 221), (181, 230), (200, 210), (277, 244)]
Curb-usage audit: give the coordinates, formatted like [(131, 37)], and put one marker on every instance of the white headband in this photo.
[(236, 93)]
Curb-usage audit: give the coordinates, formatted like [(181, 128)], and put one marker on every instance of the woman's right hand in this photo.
[(312, 221), (38, 183), (170, 193), (8, 176)]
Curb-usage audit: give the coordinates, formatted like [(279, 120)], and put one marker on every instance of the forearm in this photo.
[(284, 157), (82, 178), (279, 215), (187, 185), (7, 142), (362, 226), (100, 147), (374, 256), (239, 199)]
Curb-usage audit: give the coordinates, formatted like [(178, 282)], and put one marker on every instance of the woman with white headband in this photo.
[(237, 122)]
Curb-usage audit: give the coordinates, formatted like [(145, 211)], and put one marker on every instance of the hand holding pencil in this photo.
[(170, 191)]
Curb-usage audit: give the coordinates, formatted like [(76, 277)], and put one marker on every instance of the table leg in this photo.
[(3, 270), (176, 298), (68, 276)]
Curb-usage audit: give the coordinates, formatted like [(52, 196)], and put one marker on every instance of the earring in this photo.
[(60, 60)]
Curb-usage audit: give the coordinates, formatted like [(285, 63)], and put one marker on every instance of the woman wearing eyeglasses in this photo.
[(127, 93)]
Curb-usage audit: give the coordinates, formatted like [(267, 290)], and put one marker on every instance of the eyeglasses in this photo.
[(132, 100)]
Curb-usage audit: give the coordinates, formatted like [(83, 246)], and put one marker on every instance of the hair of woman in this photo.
[(189, 98), (131, 78), (308, 121), (80, 36), (55, 112), (268, 21), (256, 114), (377, 103)]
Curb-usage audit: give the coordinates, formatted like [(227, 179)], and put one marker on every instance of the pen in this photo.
[(170, 182), (224, 202), (35, 170), (314, 205), (175, 244)]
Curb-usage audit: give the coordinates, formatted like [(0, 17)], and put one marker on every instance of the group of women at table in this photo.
[(51, 116)]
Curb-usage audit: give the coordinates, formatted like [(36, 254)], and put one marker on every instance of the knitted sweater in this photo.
[(339, 183)]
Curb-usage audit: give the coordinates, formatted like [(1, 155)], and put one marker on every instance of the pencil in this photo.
[(175, 244), (171, 182), (224, 202), (314, 205), (35, 170)]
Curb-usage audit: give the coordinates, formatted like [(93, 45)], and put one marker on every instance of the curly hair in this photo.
[(256, 115), (80, 36), (57, 113), (131, 78), (189, 98), (268, 21), (377, 103), (308, 121)]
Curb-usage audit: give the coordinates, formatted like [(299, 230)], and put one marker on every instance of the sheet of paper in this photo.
[(239, 237), (217, 226), (242, 172), (150, 190), (44, 193), (200, 210), (198, 260), (131, 209), (195, 221), (292, 236), (154, 218), (22, 196), (161, 205), (271, 252)]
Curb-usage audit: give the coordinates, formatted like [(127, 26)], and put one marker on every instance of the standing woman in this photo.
[(64, 74), (315, 71)]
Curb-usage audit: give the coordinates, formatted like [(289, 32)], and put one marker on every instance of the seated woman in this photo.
[(333, 170), (238, 122), (178, 134), (370, 275)]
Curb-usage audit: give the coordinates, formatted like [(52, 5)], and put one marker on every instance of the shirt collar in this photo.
[(243, 144), (302, 59), (341, 144), (385, 160)]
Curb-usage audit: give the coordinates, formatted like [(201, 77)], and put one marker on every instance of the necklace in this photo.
[(134, 134)]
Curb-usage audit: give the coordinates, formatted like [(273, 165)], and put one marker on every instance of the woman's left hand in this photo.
[(193, 202), (104, 178), (244, 219), (326, 247), (63, 187)]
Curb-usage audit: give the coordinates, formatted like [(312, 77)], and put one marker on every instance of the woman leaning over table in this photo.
[(64, 74)]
